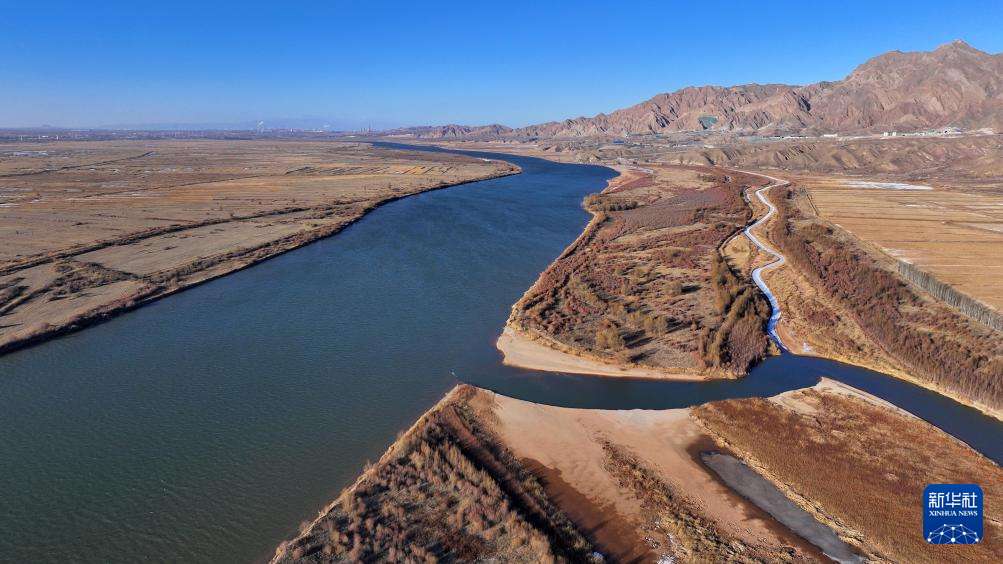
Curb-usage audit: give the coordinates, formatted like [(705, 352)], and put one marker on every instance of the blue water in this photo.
[(206, 426)]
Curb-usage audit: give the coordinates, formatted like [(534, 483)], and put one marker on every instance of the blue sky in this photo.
[(425, 62)]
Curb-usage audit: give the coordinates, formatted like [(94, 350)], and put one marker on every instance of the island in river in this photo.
[(645, 290)]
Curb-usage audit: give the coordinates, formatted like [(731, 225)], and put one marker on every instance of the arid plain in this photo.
[(91, 228)]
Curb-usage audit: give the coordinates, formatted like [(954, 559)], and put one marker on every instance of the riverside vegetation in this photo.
[(928, 339), (483, 477), (448, 490), (859, 469), (646, 284), (464, 485)]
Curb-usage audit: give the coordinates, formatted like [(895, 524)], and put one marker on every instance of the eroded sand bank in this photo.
[(521, 351)]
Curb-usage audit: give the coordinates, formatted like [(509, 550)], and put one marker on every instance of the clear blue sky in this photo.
[(425, 62)]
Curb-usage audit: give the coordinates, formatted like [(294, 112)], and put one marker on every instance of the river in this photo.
[(206, 426)]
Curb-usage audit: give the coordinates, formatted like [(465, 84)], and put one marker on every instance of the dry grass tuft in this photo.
[(447, 491)]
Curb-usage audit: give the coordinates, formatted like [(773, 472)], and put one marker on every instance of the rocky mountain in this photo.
[(954, 85), (746, 107), (451, 131)]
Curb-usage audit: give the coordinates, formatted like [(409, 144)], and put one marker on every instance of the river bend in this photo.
[(206, 426)]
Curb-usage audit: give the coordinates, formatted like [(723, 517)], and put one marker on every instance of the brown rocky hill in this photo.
[(750, 106), (976, 159), (954, 85)]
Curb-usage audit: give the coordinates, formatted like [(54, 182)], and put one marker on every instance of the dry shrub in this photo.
[(740, 339), (936, 343), (608, 338), (862, 466), (638, 278), (451, 493)]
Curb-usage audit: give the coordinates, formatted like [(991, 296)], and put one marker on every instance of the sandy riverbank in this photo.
[(635, 484), (141, 226), (520, 350)]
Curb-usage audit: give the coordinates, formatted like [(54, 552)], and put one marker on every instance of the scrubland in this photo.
[(646, 284), (483, 477), (446, 491)]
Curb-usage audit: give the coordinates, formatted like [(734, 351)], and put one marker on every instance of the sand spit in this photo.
[(634, 485), (522, 351)]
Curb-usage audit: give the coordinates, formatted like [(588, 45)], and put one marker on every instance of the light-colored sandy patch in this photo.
[(521, 351), (569, 441), (795, 399), (835, 387)]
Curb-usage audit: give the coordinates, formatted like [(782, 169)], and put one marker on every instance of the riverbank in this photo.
[(447, 488), (302, 367), (851, 335), (644, 290), (552, 466), (637, 485), (184, 216), (523, 350), (860, 466)]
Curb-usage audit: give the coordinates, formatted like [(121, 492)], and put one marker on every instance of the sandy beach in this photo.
[(521, 351)]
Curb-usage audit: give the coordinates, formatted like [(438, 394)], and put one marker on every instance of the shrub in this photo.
[(608, 338)]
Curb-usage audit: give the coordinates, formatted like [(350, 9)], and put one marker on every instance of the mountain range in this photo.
[(953, 85)]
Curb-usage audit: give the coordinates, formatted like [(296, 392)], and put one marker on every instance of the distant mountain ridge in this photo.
[(451, 131), (954, 85)]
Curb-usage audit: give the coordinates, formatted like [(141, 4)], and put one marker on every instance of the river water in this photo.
[(206, 426)]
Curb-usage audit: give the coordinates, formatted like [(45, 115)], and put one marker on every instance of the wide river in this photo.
[(206, 426)]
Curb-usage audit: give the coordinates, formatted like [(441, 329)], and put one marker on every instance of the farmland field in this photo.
[(954, 235)]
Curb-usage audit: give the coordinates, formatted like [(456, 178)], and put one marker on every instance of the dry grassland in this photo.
[(90, 228), (957, 236), (852, 305), (859, 468)]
